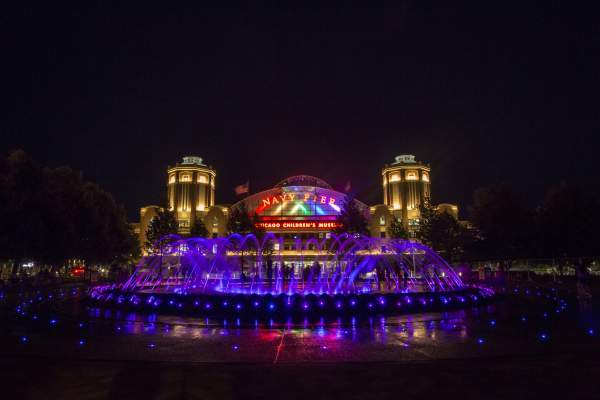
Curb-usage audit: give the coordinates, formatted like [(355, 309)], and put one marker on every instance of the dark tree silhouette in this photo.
[(159, 234), (352, 219), (198, 229), (159, 231), (504, 224), (427, 217), (568, 222), (442, 232), (240, 222), (53, 215), (397, 230)]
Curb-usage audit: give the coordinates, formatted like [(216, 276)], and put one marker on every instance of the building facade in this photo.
[(190, 191), (406, 185), (300, 206)]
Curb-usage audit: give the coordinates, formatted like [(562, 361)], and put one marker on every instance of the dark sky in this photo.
[(486, 92)]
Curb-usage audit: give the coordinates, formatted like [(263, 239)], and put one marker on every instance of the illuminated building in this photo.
[(191, 191), (406, 185), (298, 207)]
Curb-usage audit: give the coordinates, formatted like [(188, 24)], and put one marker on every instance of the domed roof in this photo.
[(304, 180)]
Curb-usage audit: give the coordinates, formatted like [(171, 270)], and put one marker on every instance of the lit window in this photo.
[(172, 178), (395, 178), (411, 176), (382, 220), (202, 179), (185, 178), (425, 177)]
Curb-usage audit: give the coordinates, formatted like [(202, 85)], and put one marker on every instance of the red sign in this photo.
[(307, 197), (298, 225)]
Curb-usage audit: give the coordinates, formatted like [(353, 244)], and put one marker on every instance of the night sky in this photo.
[(486, 92)]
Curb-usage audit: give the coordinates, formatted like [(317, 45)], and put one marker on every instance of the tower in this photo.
[(190, 191), (406, 184)]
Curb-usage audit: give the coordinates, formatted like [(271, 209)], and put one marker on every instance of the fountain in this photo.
[(247, 274)]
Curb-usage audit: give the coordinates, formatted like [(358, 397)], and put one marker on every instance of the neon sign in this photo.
[(283, 225), (299, 199)]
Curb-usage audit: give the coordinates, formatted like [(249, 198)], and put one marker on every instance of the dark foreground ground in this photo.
[(522, 347), (573, 376)]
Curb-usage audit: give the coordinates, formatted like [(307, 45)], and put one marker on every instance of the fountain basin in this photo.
[(283, 305)]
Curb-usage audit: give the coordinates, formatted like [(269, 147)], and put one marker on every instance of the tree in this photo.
[(21, 209), (442, 232), (567, 223), (159, 234), (397, 230), (427, 216), (198, 229), (504, 224), (266, 249), (449, 237), (131, 247), (160, 228), (351, 218), (240, 222), (53, 215)]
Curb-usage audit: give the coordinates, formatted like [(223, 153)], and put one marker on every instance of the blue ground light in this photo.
[(494, 329)]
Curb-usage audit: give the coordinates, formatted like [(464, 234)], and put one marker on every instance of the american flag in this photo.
[(243, 188)]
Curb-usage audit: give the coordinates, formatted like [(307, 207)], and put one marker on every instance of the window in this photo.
[(382, 220), (185, 178), (395, 178), (411, 175), (382, 234), (172, 178), (425, 177), (202, 179)]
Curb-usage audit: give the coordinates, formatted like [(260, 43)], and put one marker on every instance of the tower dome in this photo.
[(304, 180)]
